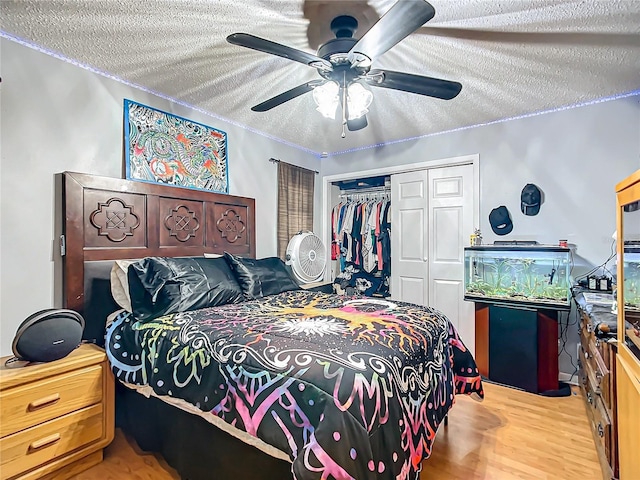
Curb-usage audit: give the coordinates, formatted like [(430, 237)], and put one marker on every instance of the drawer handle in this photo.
[(600, 430), (43, 442), (43, 402)]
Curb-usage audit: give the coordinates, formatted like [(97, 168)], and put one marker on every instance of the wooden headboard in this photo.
[(105, 219)]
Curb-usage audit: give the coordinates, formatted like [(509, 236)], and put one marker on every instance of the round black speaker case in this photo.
[(48, 335)]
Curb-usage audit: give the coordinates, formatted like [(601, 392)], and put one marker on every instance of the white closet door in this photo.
[(451, 209), (409, 268)]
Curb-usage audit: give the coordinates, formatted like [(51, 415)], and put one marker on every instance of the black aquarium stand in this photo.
[(517, 346)]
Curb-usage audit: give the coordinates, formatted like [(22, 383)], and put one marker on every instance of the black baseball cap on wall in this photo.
[(530, 199), (500, 220)]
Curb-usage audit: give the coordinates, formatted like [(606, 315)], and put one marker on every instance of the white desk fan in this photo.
[(306, 256)]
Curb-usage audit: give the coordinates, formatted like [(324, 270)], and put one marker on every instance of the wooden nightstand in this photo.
[(56, 417)]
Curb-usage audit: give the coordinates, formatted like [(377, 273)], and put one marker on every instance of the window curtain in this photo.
[(295, 203)]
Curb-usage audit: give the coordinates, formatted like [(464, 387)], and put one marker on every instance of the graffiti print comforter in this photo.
[(348, 387)]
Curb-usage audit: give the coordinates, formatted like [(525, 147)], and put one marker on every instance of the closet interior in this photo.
[(361, 236)]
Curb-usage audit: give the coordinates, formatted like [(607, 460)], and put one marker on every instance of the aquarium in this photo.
[(534, 275), (631, 269)]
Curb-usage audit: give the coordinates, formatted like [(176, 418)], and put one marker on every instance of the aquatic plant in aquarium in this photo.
[(535, 275), (632, 280)]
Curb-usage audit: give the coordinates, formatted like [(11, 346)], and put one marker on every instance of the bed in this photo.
[(259, 379)]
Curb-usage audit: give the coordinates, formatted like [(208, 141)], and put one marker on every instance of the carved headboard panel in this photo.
[(108, 219)]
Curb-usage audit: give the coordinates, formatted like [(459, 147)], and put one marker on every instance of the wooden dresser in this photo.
[(56, 417), (597, 377), (628, 358)]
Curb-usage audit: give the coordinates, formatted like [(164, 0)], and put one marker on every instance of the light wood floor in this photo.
[(515, 435), (510, 435)]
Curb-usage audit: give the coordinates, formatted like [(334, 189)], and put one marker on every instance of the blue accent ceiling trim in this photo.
[(320, 155)]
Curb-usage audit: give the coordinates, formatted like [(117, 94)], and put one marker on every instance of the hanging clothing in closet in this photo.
[(361, 243)]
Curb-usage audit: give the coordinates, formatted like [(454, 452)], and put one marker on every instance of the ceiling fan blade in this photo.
[(600, 39), (267, 46), (402, 19), (357, 123), (286, 96), (407, 82)]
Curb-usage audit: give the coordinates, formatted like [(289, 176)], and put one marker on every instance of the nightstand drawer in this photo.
[(44, 400), (37, 445)]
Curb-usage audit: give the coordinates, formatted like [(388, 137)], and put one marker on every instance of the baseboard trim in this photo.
[(568, 378)]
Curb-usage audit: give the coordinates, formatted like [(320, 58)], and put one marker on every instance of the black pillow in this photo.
[(258, 278), (162, 285)]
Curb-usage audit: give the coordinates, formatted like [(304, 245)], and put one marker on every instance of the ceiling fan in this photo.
[(344, 63)]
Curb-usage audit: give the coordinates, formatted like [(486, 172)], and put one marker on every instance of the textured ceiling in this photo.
[(513, 57)]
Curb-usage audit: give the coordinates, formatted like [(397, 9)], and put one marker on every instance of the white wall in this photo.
[(576, 157), (57, 117)]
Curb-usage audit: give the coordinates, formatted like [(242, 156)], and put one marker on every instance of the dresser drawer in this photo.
[(586, 325), (599, 367), (602, 425), (583, 322), (585, 379), (593, 365), (37, 402), (35, 446), (586, 334), (599, 414)]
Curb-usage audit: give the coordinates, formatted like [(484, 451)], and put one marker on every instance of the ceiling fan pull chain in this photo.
[(344, 103)]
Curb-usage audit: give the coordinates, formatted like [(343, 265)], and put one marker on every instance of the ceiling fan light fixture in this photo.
[(344, 63), (358, 100), (326, 98)]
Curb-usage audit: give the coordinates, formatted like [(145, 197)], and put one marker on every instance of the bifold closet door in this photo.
[(432, 216), (409, 261), (451, 212)]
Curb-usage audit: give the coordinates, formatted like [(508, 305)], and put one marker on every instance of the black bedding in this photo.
[(346, 387)]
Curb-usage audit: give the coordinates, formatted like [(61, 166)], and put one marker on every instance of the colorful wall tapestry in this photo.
[(167, 149)]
